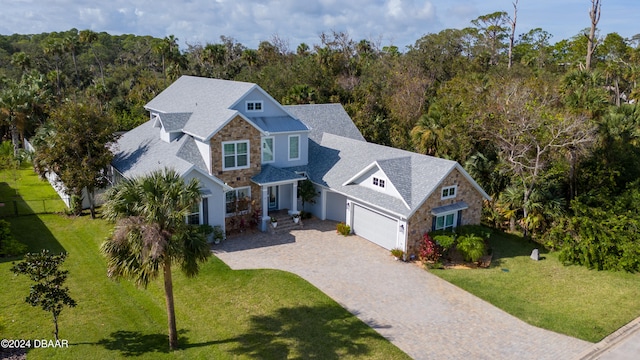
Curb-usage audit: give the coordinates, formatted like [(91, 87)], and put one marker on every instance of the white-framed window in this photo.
[(238, 201), (446, 221), (267, 150), (193, 217), (235, 155), (254, 105), (449, 192), (378, 182), (294, 147)]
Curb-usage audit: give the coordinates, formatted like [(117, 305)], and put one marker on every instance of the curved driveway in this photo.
[(425, 316)]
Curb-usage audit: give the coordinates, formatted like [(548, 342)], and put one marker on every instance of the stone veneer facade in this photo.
[(238, 129), (422, 219)]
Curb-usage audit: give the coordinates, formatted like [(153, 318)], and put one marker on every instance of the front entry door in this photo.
[(273, 197)]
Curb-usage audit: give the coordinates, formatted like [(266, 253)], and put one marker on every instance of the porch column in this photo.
[(265, 208), (294, 200)]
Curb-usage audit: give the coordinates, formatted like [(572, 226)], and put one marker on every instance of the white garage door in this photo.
[(375, 227)]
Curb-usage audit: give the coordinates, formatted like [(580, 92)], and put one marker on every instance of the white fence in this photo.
[(61, 189)]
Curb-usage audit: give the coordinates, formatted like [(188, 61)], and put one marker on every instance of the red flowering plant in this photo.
[(429, 250)]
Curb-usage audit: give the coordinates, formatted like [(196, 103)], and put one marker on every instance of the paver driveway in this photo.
[(425, 316)]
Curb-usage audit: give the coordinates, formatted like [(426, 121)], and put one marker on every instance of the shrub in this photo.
[(343, 229), (471, 247), (218, 234), (445, 241), (397, 253), (477, 230), (429, 249)]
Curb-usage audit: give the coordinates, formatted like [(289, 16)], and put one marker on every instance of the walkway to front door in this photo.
[(425, 316)]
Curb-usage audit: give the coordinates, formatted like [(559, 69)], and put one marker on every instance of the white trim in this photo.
[(448, 190), (273, 149), (248, 155), (224, 186), (379, 182), (225, 123), (199, 212), (362, 172), (254, 103), (350, 197), (380, 213), (466, 176), (444, 215), (281, 182), (289, 147)]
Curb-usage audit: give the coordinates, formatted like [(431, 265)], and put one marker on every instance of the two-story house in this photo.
[(248, 151)]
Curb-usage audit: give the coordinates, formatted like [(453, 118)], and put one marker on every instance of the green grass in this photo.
[(22, 188), (572, 300), (221, 314)]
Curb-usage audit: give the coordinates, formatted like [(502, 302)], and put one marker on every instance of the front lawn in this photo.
[(571, 300), (221, 314)]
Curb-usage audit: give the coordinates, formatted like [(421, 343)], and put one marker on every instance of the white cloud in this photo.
[(251, 21), (92, 16)]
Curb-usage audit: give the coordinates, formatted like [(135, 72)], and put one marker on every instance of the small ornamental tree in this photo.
[(48, 291), (307, 192)]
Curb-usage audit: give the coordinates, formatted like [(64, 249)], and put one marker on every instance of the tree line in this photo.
[(549, 129)]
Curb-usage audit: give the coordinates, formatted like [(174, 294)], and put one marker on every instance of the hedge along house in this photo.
[(243, 145)]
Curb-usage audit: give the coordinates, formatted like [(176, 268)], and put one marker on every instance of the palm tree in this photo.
[(90, 37), (429, 135), (151, 233), (12, 101)]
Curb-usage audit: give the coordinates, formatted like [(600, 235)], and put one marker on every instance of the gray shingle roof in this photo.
[(174, 121), (326, 118), (141, 151), (337, 159), (399, 171), (189, 152), (208, 101)]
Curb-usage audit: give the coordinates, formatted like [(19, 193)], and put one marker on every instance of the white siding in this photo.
[(336, 206)]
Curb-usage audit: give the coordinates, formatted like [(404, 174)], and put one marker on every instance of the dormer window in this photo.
[(254, 106), (449, 192), (378, 182)]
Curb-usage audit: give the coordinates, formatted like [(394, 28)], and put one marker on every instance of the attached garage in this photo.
[(375, 227)]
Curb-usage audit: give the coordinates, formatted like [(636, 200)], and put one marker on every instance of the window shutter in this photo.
[(205, 211), (433, 223), (459, 218)]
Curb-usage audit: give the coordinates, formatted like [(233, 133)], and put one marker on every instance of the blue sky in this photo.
[(386, 22)]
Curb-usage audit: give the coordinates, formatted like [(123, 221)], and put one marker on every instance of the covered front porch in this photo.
[(279, 192)]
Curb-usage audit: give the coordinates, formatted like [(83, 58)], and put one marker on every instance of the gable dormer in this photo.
[(375, 178), (170, 124), (257, 103)]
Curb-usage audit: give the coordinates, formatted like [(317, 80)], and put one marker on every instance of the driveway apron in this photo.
[(423, 315)]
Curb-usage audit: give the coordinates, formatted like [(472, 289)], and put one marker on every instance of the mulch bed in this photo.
[(454, 260)]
